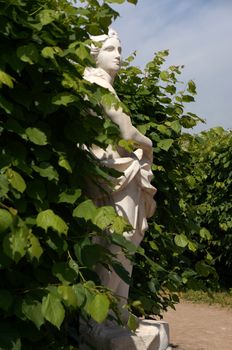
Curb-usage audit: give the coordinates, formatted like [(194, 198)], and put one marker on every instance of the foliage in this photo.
[(210, 194), (176, 245), (46, 221)]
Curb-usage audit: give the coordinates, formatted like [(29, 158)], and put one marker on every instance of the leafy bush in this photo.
[(46, 253), (175, 245), (47, 221), (210, 196)]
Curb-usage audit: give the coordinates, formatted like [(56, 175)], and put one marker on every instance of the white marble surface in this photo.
[(151, 335)]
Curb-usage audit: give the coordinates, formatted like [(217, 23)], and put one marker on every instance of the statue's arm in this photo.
[(128, 131)]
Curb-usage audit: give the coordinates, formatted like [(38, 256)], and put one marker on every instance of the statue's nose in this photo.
[(118, 55)]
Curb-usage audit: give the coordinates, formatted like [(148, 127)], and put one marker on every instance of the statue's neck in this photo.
[(107, 77)]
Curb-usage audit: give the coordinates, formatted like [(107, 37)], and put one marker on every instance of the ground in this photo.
[(200, 327)]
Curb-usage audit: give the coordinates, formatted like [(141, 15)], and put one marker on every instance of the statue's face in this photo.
[(109, 57)]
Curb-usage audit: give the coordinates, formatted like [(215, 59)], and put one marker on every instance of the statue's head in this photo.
[(108, 55)]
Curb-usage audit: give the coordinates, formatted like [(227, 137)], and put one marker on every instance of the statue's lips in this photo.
[(117, 62)]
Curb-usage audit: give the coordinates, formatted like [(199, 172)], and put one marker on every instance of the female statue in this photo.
[(132, 197)]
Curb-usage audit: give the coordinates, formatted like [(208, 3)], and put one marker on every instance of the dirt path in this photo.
[(200, 327)]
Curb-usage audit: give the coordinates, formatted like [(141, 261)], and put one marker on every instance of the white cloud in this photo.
[(198, 34)]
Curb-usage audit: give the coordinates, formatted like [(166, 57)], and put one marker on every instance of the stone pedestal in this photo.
[(151, 335)]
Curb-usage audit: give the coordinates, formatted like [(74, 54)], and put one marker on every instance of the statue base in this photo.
[(150, 335)]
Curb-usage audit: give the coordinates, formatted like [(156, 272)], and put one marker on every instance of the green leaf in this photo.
[(164, 130), (48, 16), (164, 75), (68, 295), (121, 241), (171, 89), (109, 100), (32, 309), (46, 170), (53, 310), (191, 181), (70, 196), (128, 145), (187, 98), (192, 87), (175, 126), (116, 1), (34, 250), (192, 246), (28, 53), (4, 185), (120, 225), (133, 1), (187, 121), (99, 307), (165, 144), (90, 293), (37, 136), (16, 180), (64, 98), (121, 271), (133, 322), (6, 79), (153, 246), (5, 220), (14, 126), (64, 163), (6, 299), (80, 294), (48, 52), (48, 218), (86, 210), (82, 52), (203, 269), (205, 234), (104, 217), (15, 244), (181, 240)]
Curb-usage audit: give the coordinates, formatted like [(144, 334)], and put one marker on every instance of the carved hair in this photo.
[(94, 50)]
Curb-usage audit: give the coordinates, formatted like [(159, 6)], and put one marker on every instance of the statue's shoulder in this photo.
[(99, 77)]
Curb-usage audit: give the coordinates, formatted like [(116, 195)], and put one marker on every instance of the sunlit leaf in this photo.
[(37, 136), (48, 219), (6, 220), (16, 180), (86, 210), (32, 309), (99, 307), (6, 79), (15, 244), (181, 240), (52, 310)]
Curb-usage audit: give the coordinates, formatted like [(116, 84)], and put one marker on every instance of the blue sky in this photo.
[(198, 34)]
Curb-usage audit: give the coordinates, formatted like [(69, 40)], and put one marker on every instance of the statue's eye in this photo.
[(109, 48)]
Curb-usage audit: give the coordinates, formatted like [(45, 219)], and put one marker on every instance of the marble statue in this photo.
[(132, 195)]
